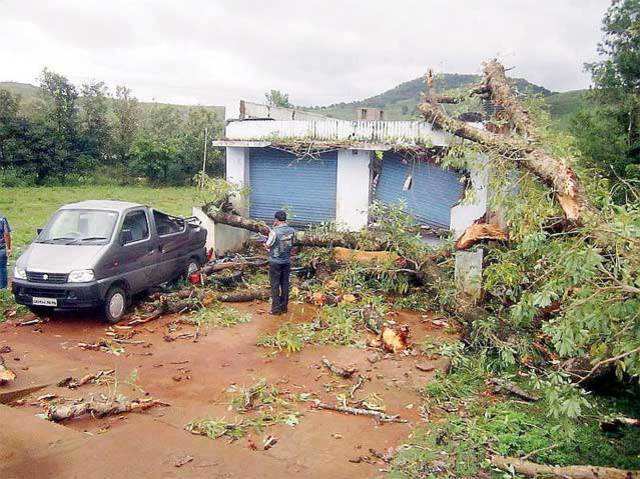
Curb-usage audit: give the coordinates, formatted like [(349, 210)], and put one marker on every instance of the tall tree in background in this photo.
[(609, 134), (278, 98), (94, 121), (59, 115), (126, 119)]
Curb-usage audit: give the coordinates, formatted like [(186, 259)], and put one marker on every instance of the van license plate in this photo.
[(44, 301)]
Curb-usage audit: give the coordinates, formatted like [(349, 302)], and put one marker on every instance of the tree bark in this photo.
[(550, 170), (480, 232), (531, 469)]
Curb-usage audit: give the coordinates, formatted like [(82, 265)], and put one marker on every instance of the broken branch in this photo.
[(58, 413), (337, 370), (380, 416)]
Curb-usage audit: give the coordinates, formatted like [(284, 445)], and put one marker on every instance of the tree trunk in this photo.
[(531, 469), (550, 170)]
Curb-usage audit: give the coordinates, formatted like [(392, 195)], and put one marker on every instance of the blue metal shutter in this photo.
[(305, 188), (434, 191)]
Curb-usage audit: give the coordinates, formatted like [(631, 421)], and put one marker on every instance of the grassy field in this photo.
[(30, 208)]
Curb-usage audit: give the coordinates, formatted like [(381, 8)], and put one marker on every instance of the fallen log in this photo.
[(380, 416), (239, 265), (72, 383), (615, 423), (245, 296), (504, 386), (532, 469), (337, 370), (480, 232), (58, 413), (342, 255), (6, 374)]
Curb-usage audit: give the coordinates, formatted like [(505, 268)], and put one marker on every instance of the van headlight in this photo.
[(19, 273), (81, 276)]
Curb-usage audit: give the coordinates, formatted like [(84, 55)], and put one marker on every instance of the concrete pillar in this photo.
[(352, 189), (468, 272), (464, 214), (238, 174)]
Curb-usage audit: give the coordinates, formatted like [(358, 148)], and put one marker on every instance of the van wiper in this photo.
[(60, 239), (93, 238)]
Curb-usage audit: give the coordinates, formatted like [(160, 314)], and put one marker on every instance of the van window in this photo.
[(166, 224), (136, 222)]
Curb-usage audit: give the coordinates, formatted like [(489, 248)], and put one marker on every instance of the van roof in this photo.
[(101, 205)]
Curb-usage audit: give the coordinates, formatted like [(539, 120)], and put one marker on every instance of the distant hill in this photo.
[(400, 102), (30, 93), (563, 105)]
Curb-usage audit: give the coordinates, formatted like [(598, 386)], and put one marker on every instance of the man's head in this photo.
[(280, 216)]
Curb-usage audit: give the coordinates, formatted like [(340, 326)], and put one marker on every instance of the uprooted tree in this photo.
[(565, 287)]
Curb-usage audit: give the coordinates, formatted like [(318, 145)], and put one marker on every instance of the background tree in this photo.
[(278, 98), (94, 121), (609, 133), (125, 123)]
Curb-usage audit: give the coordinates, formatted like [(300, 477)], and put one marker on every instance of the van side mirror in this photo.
[(126, 237)]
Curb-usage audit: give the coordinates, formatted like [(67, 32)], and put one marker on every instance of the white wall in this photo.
[(464, 214), (352, 189), (221, 238), (238, 174)]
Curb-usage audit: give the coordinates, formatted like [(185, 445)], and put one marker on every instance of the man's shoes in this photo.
[(276, 313)]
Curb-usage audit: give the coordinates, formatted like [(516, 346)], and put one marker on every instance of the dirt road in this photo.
[(193, 377)]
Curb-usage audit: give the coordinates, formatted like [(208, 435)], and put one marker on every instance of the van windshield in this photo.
[(79, 227)]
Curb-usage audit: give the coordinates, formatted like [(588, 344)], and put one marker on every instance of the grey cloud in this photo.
[(319, 51)]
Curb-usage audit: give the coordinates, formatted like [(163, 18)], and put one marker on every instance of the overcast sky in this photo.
[(320, 52)]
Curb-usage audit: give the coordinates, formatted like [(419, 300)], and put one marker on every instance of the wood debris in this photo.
[(480, 232), (181, 461), (359, 383), (395, 338), (504, 386), (379, 415), (58, 413), (337, 370), (71, 383), (6, 374), (269, 442), (532, 469)]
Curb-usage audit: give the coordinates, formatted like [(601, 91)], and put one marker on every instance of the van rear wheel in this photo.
[(115, 305)]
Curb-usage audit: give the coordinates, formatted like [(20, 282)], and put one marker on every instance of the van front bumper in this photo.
[(68, 296)]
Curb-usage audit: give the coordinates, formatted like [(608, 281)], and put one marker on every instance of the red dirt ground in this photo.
[(149, 444)]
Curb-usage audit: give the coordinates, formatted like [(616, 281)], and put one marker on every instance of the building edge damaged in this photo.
[(269, 153)]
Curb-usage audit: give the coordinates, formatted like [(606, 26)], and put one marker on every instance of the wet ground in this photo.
[(193, 378)]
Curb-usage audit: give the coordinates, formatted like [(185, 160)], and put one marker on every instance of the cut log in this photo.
[(6, 374), (245, 296), (395, 339), (58, 413), (531, 469), (480, 232), (615, 423), (342, 255)]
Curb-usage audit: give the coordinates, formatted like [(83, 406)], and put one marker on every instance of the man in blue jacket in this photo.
[(5, 249), (279, 244)]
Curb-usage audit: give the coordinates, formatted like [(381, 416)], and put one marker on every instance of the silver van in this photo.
[(98, 254)]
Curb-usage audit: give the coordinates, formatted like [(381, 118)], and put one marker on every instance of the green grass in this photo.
[(29, 208), (467, 423)]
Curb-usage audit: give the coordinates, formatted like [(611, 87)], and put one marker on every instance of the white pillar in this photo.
[(352, 189), (238, 174)]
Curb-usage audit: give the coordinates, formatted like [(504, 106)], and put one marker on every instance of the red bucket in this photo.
[(195, 278)]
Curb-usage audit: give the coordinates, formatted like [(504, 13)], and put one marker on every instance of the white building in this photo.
[(320, 169)]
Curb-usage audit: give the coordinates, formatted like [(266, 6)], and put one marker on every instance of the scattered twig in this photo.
[(380, 416), (599, 364), (337, 370), (531, 469), (359, 383)]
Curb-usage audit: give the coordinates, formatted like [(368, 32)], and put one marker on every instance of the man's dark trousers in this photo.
[(279, 278)]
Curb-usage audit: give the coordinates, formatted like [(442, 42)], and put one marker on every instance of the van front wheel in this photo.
[(115, 304)]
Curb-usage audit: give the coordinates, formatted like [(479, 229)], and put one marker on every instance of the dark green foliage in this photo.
[(609, 135), (62, 136)]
